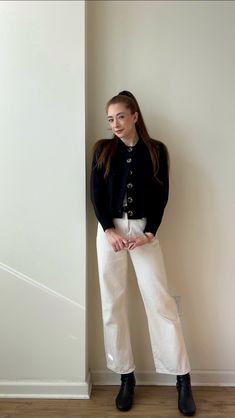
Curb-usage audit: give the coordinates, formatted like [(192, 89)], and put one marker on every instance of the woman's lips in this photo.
[(118, 132)]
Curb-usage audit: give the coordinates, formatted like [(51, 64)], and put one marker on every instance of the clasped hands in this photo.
[(119, 243)]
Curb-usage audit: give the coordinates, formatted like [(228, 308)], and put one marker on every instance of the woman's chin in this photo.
[(119, 134)]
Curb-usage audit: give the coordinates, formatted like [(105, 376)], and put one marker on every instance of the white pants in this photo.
[(166, 337)]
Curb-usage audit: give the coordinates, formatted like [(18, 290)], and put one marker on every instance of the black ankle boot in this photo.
[(186, 403), (125, 396)]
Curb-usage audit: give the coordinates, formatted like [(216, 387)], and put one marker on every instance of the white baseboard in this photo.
[(45, 390), (198, 378), (82, 390)]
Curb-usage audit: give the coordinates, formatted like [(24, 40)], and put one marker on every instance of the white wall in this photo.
[(178, 58), (42, 211)]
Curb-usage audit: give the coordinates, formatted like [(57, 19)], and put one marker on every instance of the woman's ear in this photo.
[(136, 116)]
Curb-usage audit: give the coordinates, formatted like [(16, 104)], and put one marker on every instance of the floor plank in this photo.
[(150, 402)]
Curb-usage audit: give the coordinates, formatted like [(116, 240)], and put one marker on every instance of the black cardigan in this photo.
[(131, 173)]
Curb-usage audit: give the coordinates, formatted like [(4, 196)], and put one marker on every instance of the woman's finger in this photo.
[(132, 245), (137, 242), (118, 245)]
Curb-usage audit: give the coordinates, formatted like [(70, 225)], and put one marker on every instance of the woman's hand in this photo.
[(116, 241), (140, 240)]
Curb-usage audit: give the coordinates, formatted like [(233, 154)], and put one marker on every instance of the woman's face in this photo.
[(122, 121)]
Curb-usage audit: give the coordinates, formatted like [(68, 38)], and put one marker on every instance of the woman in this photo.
[(129, 192)]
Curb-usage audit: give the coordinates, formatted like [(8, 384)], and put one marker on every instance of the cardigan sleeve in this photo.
[(159, 192), (99, 196)]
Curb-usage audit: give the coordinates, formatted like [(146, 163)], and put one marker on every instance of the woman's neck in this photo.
[(131, 141)]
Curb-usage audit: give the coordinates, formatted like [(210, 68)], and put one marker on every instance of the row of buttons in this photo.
[(129, 185)]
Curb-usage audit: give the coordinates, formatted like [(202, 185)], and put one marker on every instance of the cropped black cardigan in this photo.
[(131, 175)]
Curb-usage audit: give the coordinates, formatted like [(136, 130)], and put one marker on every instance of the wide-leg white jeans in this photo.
[(167, 342)]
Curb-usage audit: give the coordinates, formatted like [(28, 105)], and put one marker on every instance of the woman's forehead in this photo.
[(115, 108)]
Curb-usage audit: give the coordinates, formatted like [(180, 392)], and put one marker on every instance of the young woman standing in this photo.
[(129, 192)]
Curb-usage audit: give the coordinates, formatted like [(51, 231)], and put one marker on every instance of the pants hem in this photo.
[(119, 371)]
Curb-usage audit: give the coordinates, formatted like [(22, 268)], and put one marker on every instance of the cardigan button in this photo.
[(129, 185), (130, 213), (130, 149), (129, 200), (129, 160)]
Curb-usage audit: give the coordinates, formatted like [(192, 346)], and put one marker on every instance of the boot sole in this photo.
[(124, 409), (187, 414)]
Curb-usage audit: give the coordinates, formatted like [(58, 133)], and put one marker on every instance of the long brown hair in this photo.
[(110, 146)]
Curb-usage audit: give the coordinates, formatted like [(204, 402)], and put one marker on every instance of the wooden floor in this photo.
[(150, 401)]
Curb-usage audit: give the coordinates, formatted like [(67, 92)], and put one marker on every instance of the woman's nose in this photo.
[(115, 123)]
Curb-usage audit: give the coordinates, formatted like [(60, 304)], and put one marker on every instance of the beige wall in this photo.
[(42, 211), (178, 58)]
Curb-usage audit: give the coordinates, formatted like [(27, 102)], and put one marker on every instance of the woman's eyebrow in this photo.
[(120, 113)]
